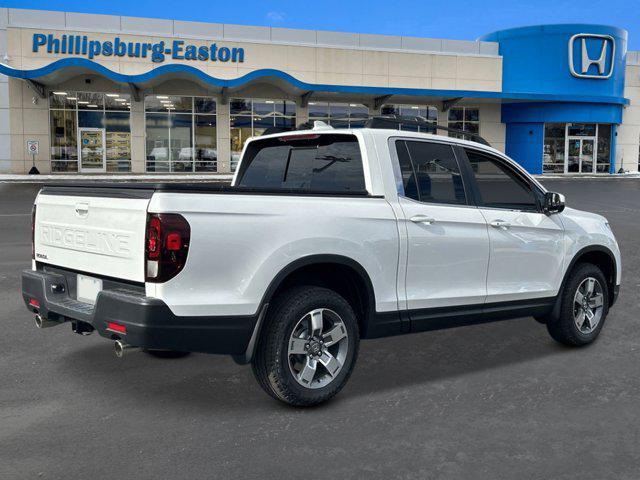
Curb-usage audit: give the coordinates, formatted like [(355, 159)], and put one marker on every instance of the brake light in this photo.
[(153, 238), (34, 303), (293, 138), (33, 232), (167, 245)]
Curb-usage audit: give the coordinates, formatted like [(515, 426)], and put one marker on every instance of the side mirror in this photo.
[(553, 202)]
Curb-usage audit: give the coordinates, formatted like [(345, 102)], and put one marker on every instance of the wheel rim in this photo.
[(588, 304), (318, 348)]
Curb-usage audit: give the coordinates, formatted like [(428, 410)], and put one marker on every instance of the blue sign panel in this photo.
[(569, 59), (559, 60), (157, 52)]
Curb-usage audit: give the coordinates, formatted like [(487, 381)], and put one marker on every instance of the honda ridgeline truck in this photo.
[(324, 238)]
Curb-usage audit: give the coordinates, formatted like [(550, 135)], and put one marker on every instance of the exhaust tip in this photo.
[(120, 348), (42, 322)]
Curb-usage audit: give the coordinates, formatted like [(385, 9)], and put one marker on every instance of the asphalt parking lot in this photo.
[(495, 401)]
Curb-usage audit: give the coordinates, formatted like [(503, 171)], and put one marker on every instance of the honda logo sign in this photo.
[(591, 55)]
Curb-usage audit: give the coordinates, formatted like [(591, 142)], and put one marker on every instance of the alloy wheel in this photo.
[(318, 348), (588, 305)]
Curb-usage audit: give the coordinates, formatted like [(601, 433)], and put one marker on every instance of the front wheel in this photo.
[(308, 346), (585, 304)]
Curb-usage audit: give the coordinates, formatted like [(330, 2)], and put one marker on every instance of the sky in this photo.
[(459, 19)]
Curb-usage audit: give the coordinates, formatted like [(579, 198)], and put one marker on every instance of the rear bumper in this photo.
[(149, 322)]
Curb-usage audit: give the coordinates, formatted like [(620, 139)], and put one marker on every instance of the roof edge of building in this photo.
[(100, 23)]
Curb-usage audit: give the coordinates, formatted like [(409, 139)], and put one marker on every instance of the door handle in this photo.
[(500, 224), (423, 219)]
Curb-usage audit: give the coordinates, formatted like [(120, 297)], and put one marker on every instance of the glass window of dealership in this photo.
[(91, 131), (577, 148)]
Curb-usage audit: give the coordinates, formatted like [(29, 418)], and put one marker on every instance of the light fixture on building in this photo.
[(59, 93), (121, 99), (72, 98), (161, 96), (112, 95), (82, 102), (92, 106), (268, 101), (353, 105)]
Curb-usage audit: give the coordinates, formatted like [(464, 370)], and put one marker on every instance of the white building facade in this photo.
[(110, 94)]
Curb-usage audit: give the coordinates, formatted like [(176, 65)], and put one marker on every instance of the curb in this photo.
[(604, 176)]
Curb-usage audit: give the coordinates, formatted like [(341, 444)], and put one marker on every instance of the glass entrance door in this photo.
[(580, 155), (91, 151)]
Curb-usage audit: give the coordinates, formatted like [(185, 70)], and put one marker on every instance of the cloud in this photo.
[(276, 16)]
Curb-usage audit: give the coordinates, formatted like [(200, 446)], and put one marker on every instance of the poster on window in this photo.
[(118, 145)]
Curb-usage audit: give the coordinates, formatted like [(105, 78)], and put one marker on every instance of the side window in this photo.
[(310, 163), (430, 172), (499, 185)]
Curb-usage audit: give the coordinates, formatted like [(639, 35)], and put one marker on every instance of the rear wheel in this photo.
[(308, 347), (585, 304)]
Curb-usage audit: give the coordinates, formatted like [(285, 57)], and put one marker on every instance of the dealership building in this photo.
[(84, 93)]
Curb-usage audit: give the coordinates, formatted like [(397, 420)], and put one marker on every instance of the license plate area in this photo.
[(87, 288)]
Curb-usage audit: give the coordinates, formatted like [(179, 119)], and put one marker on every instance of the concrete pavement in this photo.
[(495, 401)]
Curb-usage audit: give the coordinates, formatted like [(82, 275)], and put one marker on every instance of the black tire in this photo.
[(271, 361), (165, 353), (564, 330)]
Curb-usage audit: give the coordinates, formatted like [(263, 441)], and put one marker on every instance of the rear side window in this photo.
[(310, 163), (430, 172), (499, 185)]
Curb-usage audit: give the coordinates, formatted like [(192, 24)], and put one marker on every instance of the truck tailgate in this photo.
[(92, 230)]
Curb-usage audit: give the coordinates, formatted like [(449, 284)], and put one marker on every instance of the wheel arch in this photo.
[(600, 256), (340, 273), (315, 269), (603, 258)]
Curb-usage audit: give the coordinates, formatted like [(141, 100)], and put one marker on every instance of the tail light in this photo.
[(33, 232), (166, 246), (293, 138)]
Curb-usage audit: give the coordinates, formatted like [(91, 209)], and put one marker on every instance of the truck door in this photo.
[(527, 250), (448, 242)]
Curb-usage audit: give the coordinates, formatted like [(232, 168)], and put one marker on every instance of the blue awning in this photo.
[(64, 69)]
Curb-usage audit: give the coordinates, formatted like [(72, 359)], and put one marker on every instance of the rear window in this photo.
[(310, 163)]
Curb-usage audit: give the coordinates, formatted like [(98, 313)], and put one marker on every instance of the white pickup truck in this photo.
[(325, 237)]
